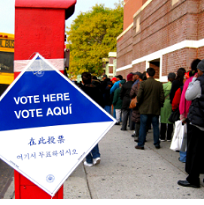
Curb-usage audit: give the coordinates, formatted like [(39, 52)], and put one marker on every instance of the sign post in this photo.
[(39, 27)]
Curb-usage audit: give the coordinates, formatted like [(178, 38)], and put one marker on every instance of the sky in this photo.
[(7, 11)]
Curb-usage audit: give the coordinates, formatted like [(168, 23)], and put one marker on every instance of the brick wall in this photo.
[(163, 24), (177, 59), (111, 60), (201, 20), (124, 50), (200, 53), (144, 1), (139, 67), (130, 7)]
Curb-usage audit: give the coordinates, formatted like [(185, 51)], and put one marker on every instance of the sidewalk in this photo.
[(127, 173)]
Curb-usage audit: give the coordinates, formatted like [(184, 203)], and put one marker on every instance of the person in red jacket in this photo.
[(176, 99)]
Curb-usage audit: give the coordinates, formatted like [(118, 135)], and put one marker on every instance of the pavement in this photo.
[(6, 178), (127, 173)]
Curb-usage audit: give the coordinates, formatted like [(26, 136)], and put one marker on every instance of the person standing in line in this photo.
[(166, 111), (135, 80), (184, 106), (195, 142), (136, 77), (95, 81), (93, 158), (135, 111), (117, 102), (104, 83), (115, 81), (177, 83), (150, 99), (107, 97), (125, 97)]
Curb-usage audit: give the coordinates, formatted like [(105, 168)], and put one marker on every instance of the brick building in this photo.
[(110, 66), (163, 34)]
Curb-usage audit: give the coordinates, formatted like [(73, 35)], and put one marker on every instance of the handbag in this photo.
[(177, 139), (175, 116), (133, 103)]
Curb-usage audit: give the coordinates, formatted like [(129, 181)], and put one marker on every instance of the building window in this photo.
[(138, 25)]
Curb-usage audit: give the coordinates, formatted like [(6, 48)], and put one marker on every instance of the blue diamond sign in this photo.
[(48, 125)]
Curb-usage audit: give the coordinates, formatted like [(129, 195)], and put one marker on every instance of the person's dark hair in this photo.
[(140, 76), (151, 72), (119, 76), (180, 74), (144, 77), (194, 64), (94, 77), (171, 77), (86, 78), (194, 67)]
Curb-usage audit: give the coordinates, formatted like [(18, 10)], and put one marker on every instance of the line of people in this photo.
[(184, 91)]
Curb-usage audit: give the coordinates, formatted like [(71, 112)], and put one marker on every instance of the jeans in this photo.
[(93, 154), (143, 130), (107, 108), (126, 114), (114, 114), (182, 157)]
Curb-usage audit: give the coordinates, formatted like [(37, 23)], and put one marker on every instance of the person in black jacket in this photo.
[(195, 142), (106, 85), (125, 96), (93, 158), (104, 82), (177, 83)]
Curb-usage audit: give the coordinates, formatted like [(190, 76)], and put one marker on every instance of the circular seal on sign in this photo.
[(50, 178), (39, 73)]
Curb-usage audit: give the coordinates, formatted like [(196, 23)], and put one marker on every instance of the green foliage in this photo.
[(92, 36)]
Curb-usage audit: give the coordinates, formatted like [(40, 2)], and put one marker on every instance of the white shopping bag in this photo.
[(177, 139)]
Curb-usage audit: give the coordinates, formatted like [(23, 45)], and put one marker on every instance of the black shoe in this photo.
[(185, 183), (138, 147), (134, 135), (123, 129), (157, 146), (117, 123)]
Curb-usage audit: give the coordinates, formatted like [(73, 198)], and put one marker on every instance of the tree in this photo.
[(92, 36)]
